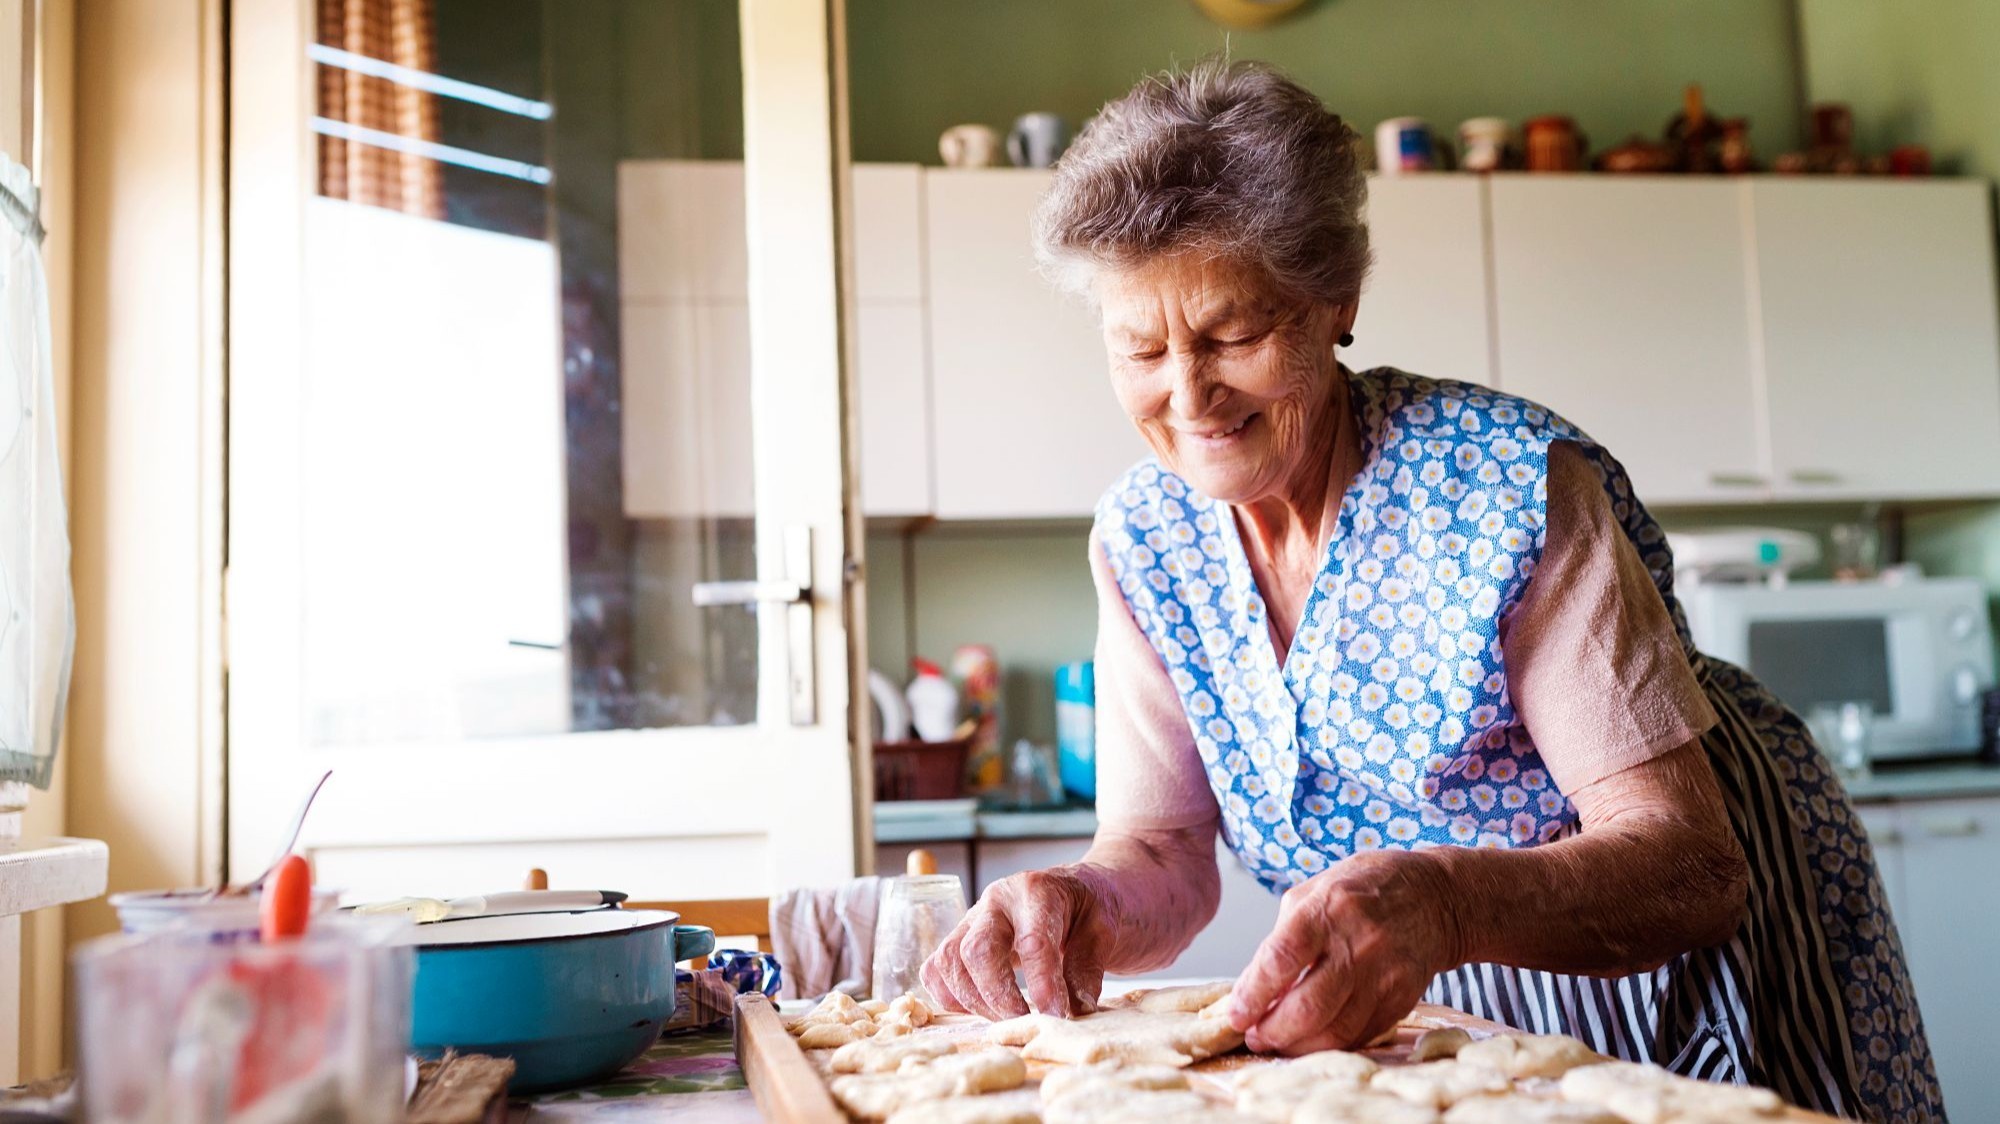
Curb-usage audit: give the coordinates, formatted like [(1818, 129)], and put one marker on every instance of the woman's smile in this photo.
[(1217, 439)]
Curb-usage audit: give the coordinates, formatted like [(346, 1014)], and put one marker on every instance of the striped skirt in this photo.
[(1811, 998)]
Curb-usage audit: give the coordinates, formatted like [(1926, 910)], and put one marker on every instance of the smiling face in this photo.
[(1231, 383)]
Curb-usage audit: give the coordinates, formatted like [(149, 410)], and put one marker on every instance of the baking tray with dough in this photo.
[(793, 1084)]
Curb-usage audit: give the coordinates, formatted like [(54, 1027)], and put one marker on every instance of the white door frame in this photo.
[(794, 785)]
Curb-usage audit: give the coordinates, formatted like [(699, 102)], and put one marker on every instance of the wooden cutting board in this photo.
[(790, 1083)]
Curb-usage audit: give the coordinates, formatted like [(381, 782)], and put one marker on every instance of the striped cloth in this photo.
[(824, 939)]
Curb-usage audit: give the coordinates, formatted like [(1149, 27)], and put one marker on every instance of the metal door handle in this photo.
[(1814, 476), (794, 592), (1952, 827), (710, 594), (1736, 480)]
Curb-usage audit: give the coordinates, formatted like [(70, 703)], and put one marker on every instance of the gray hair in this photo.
[(1228, 159)]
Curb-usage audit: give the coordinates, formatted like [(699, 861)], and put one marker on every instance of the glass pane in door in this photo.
[(526, 415)]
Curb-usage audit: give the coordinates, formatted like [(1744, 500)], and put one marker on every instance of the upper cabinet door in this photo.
[(1024, 423), (892, 376), (1622, 304), (1879, 337), (1424, 308)]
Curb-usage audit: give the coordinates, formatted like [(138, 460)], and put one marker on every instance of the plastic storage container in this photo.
[(1076, 727)]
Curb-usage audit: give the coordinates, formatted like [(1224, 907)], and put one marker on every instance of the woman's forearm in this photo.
[(1158, 890), (1630, 892)]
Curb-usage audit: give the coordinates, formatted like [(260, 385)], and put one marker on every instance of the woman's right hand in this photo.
[(1051, 923)]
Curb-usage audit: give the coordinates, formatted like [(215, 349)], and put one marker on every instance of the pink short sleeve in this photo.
[(1593, 665), (1149, 774)]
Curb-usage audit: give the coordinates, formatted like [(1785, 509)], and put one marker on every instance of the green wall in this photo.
[(1618, 66)]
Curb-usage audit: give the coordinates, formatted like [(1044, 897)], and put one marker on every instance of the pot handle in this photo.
[(693, 942)]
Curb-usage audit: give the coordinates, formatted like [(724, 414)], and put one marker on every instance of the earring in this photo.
[(1347, 339)]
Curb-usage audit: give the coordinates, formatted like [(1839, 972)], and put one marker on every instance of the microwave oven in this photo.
[(1919, 651)]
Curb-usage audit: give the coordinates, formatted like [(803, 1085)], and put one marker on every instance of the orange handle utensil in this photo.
[(287, 902)]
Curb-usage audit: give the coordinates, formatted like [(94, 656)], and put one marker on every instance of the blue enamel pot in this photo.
[(571, 997)]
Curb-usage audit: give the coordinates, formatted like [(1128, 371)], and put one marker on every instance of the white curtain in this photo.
[(37, 616)]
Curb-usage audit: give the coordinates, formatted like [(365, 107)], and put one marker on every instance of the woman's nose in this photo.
[(1193, 392)]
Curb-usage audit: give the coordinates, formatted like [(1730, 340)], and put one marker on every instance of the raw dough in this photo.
[(1434, 1045), (1648, 1094), (911, 1009), (1186, 1000), (1351, 1106), (1274, 1092), (1529, 1055), (1439, 1085), (1113, 1104), (874, 1096), (1526, 1110), (876, 1008), (1127, 1036), (870, 1056), (1058, 1083), (838, 1006), (826, 1036), (994, 1108), (891, 1027)]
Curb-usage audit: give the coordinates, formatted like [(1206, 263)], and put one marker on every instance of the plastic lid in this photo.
[(926, 667)]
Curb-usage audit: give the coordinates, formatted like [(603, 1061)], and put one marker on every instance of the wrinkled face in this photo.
[(1230, 383)]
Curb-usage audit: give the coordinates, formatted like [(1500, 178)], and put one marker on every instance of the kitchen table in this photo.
[(689, 1077)]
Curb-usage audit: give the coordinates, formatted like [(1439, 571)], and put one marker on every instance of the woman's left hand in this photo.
[(1353, 950)]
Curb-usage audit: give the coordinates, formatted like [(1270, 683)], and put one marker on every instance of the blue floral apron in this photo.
[(1388, 725)]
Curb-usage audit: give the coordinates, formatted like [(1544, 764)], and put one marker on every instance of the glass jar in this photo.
[(916, 914)]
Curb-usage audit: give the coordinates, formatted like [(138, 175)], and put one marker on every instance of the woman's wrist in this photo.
[(1449, 893)]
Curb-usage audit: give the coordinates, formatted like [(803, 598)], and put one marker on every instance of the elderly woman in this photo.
[(1412, 645)]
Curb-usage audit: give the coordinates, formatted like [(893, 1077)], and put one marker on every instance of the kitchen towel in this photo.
[(825, 938)]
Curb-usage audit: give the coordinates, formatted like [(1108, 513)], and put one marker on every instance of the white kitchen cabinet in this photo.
[(1424, 308), (686, 372), (1950, 927), (1024, 424), (1883, 363), (1624, 305)]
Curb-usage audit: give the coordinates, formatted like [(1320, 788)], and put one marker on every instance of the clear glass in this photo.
[(917, 912), (1846, 734), (526, 394), (174, 1026)]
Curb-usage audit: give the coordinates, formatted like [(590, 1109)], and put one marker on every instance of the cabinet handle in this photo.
[(1887, 837), (1814, 476), (1951, 827), (1736, 480)]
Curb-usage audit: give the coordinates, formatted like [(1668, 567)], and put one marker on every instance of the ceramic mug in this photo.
[(1484, 141), (1554, 144), (1037, 140), (1404, 144), (969, 146)]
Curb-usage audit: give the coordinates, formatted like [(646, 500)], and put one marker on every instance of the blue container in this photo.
[(1076, 727), (571, 997)]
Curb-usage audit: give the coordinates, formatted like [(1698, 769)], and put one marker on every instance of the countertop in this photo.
[(945, 820), (1927, 780)]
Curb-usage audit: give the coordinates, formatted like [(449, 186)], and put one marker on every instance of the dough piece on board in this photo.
[(874, 1096), (1113, 1104), (1274, 1092), (876, 1008), (911, 1009), (1526, 1110), (826, 1036), (1529, 1055), (993, 1108), (1186, 1000), (890, 1028), (1352, 1106), (1438, 1044), (871, 1056), (1127, 1035), (1648, 1094), (1059, 1083), (1439, 1085), (838, 1006)]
